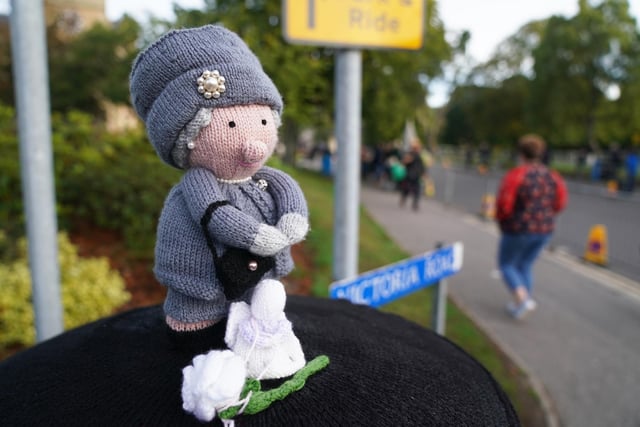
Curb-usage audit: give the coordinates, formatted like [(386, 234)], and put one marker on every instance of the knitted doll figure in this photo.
[(210, 109)]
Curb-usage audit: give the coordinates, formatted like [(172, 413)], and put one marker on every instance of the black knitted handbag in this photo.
[(237, 269)]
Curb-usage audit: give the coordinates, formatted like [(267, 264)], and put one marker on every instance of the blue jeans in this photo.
[(516, 255)]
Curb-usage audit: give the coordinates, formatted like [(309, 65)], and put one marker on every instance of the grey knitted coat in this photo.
[(183, 261)]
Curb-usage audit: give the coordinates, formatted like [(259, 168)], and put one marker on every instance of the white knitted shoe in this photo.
[(262, 334)]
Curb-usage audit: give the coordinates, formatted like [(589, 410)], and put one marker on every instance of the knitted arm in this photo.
[(227, 224), (508, 193), (291, 205)]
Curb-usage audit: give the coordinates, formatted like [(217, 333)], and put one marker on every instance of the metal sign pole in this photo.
[(439, 313), (30, 73), (439, 319), (348, 94), (449, 185)]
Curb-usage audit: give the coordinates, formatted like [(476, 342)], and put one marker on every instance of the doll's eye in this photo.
[(264, 122), (232, 124)]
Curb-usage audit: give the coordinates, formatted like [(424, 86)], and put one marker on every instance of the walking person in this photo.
[(631, 169), (412, 182), (528, 201)]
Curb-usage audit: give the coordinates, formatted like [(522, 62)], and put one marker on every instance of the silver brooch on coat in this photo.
[(262, 184), (211, 84)]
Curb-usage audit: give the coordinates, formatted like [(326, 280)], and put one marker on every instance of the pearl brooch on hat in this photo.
[(211, 84)]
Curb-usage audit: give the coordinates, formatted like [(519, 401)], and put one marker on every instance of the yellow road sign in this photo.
[(355, 23)]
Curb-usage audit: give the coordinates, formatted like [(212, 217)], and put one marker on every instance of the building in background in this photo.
[(71, 17)]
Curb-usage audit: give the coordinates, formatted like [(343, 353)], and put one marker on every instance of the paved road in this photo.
[(588, 205), (582, 343)]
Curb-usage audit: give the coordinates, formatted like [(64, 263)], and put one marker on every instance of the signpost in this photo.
[(351, 25), (389, 283), (356, 23), (394, 281), (29, 57)]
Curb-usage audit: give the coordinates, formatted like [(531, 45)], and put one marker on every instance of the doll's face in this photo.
[(237, 142)]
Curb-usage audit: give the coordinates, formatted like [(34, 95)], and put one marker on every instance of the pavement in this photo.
[(580, 348)]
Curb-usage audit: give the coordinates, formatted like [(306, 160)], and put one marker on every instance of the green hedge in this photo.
[(11, 212), (111, 181), (90, 290)]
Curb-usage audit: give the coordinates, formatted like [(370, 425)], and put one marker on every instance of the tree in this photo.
[(559, 77), (512, 57), (92, 66), (489, 102), (578, 61), (395, 83)]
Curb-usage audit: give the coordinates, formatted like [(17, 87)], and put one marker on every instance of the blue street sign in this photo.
[(377, 287)]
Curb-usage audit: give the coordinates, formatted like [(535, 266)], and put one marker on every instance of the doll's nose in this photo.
[(254, 151)]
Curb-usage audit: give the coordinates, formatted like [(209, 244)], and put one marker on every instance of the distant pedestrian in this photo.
[(613, 164), (411, 185), (397, 170), (484, 152), (529, 198), (631, 169), (468, 157), (581, 162), (327, 159), (378, 164)]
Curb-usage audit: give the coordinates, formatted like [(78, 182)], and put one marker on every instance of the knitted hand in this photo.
[(269, 241), (294, 226)]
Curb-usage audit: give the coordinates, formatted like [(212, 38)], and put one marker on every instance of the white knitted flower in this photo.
[(212, 382)]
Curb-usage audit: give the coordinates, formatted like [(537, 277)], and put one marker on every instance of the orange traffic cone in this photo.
[(597, 248), (488, 206)]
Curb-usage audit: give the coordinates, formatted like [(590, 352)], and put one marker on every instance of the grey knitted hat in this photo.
[(189, 69)]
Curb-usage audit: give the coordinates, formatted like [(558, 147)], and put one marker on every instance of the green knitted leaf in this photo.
[(261, 400)]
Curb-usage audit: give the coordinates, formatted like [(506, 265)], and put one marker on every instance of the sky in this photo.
[(489, 21)]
